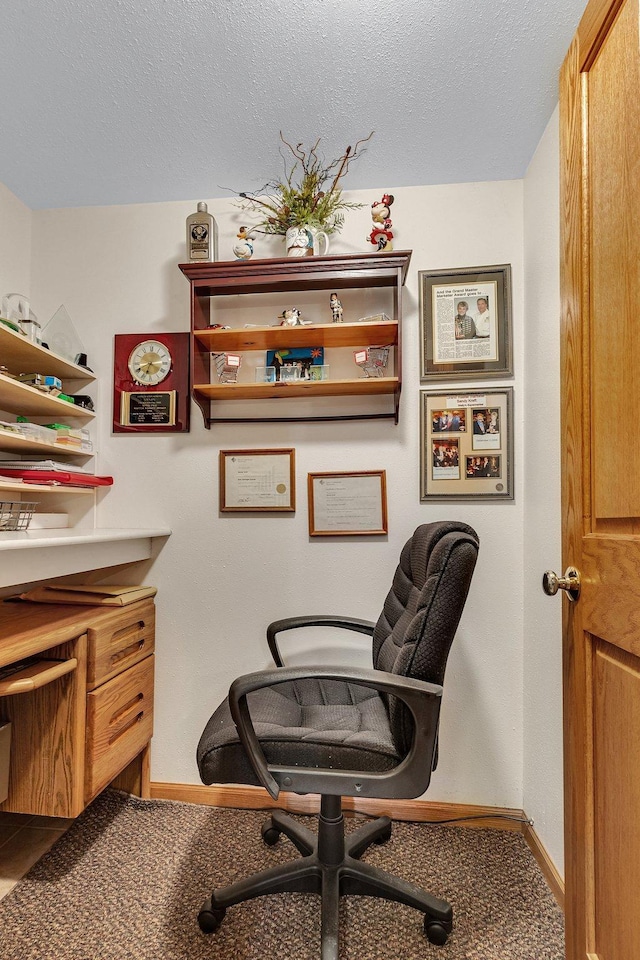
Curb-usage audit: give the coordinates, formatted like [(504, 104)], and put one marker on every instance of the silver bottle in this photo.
[(202, 235)]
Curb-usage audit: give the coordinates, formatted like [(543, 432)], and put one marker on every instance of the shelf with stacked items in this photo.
[(358, 272), (23, 399), (323, 334), (18, 353), (14, 442), (38, 489), (28, 414), (372, 387)]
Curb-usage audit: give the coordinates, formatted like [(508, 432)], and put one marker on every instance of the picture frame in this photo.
[(257, 481), (465, 323), (347, 504), (466, 444), (295, 361)]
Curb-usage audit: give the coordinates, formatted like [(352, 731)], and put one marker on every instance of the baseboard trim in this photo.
[(417, 811), (546, 864)]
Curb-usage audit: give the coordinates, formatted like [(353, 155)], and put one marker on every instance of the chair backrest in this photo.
[(414, 632)]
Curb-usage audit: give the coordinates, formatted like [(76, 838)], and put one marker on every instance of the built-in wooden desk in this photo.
[(82, 709)]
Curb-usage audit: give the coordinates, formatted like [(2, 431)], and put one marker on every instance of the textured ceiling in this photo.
[(121, 101)]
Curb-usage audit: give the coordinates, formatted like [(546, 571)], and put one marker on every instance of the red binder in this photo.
[(62, 477)]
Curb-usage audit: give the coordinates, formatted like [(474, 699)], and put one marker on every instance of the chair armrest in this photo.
[(293, 623), (421, 698)]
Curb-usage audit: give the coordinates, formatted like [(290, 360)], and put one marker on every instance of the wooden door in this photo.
[(600, 279)]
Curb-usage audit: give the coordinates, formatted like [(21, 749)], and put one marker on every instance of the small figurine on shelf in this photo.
[(243, 247), (291, 318), (381, 236), (336, 308)]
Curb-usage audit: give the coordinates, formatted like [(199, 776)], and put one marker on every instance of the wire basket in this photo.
[(16, 514)]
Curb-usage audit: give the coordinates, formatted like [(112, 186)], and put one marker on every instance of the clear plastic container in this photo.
[(34, 431)]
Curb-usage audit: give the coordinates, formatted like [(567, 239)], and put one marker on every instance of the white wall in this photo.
[(542, 753), (15, 245), (221, 579)]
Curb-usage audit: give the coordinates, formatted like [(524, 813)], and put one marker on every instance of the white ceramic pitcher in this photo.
[(306, 242)]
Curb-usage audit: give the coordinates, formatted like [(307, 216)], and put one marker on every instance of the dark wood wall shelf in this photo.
[(230, 278)]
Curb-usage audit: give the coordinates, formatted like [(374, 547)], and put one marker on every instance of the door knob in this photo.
[(551, 583)]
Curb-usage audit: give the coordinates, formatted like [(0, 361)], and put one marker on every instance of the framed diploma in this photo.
[(257, 481), (348, 504)]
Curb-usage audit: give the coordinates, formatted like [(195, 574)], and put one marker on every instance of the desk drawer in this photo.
[(119, 724), (119, 640)]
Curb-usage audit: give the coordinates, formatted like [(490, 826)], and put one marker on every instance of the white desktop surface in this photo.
[(30, 555)]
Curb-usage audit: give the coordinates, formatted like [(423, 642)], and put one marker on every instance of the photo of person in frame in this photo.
[(492, 420), (482, 468), (486, 428), (482, 318), (446, 459), (480, 418), (449, 421), (465, 328)]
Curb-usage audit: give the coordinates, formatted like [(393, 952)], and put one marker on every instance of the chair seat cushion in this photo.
[(321, 724)]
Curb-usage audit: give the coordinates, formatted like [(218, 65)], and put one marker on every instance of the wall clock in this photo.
[(151, 383), (150, 362)]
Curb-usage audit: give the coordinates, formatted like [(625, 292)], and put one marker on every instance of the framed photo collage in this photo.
[(466, 334)]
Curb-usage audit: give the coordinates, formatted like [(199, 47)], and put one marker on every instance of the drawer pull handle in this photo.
[(131, 630), (119, 714), (129, 651), (127, 726)]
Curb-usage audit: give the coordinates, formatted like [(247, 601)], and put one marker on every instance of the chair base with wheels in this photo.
[(330, 866)]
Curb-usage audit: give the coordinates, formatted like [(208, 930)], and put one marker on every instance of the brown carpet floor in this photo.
[(128, 878)]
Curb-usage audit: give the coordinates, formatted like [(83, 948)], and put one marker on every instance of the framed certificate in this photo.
[(347, 504), (257, 481)]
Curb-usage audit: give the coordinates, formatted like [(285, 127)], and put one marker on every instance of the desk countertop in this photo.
[(32, 555)]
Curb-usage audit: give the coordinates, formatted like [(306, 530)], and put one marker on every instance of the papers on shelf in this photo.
[(52, 473), (374, 318), (39, 465)]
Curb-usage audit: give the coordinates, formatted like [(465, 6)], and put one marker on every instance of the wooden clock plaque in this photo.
[(151, 383)]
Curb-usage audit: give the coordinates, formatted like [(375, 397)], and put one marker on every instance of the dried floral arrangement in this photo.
[(309, 194)]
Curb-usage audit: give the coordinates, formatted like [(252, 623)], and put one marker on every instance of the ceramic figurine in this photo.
[(243, 247), (291, 318), (382, 236), (336, 308)]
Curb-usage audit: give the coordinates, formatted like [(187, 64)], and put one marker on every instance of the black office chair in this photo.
[(341, 731)]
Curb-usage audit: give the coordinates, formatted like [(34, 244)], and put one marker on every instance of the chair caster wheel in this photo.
[(210, 918), (270, 834), (436, 932)]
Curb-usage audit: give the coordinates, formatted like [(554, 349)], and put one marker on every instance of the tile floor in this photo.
[(23, 840)]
